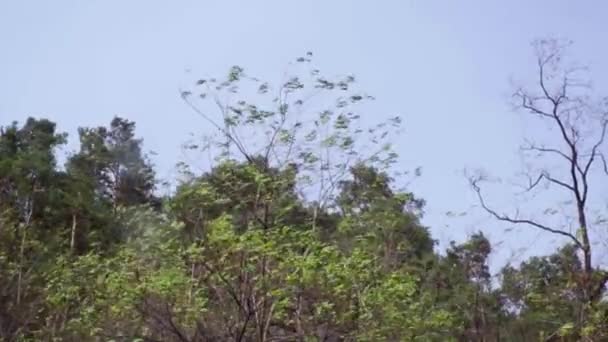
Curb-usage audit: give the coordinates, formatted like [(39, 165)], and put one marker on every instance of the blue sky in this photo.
[(443, 65)]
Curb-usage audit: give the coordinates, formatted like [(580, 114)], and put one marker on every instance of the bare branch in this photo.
[(532, 185), (532, 147), (595, 147), (505, 218), (558, 182), (528, 103), (223, 130), (185, 96), (541, 76), (591, 159), (271, 144), (545, 175), (604, 163)]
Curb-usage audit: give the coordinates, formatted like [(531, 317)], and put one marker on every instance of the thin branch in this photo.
[(541, 69), (176, 331), (558, 182), (229, 130), (185, 96), (592, 158), (545, 175), (532, 147), (595, 147), (243, 330), (278, 128), (527, 103), (604, 163), (229, 287), (220, 128), (505, 218), (532, 185)]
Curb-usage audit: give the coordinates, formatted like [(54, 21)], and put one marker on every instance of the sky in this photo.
[(445, 66)]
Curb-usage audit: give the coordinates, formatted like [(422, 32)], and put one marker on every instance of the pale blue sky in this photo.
[(443, 65)]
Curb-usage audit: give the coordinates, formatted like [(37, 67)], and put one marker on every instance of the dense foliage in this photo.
[(299, 233)]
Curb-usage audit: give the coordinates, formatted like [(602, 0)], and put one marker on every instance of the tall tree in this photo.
[(560, 100), (27, 190), (542, 294), (388, 221), (110, 170), (114, 158)]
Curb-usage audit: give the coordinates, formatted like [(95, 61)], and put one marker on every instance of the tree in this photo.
[(376, 216), (543, 292), (27, 192), (309, 123), (471, 259), (304, 238), (461, 283), (559, 99), (299, 230), (114, 158), (264, 285), (251, 196), (109, 171)]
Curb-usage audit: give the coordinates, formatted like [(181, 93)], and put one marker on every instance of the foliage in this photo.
[(297, 232)]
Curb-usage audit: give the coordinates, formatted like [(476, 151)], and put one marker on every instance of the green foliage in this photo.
[(298, 233)]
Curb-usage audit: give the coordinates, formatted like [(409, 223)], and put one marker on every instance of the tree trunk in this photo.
[(586, 247), (587, 283), (73, 234), (28, 217), (299, 330), (21, 257)]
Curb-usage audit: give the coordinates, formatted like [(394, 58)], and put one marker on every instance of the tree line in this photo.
[(299, 229)]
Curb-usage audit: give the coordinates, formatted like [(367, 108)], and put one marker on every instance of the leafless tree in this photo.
[(560, 99)]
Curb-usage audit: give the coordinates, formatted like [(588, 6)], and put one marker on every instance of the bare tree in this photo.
[(559, 98)]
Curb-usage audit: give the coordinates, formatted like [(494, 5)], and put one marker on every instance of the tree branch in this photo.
[(556, 181), (223, 130), (604, 163), (532, 147), (591, 159), (505, 218), (528, 104), (541, 69), (545, 175)]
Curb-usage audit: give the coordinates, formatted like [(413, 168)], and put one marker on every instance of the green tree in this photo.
[(109, 171), (544, 298), (114, 158), (27, 217), (381, 219)]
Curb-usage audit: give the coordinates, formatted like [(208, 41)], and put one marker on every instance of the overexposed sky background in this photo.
[(444, 66)]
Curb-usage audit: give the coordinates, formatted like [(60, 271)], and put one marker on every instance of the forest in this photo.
[(299, 229)]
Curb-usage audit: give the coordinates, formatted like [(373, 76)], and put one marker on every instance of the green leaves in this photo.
[(296, 232), (308, 121), (235, 73), (282, 268)]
